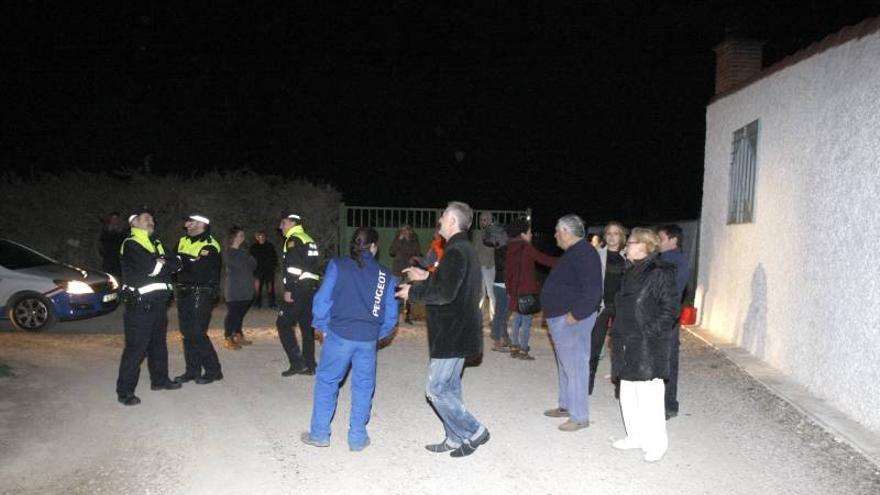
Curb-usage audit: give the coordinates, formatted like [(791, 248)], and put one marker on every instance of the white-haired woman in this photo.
[(641, 337)]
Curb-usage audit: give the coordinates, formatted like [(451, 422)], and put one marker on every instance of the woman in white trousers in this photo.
[(641, 336)]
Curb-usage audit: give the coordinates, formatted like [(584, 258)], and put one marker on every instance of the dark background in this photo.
[(596, 107)]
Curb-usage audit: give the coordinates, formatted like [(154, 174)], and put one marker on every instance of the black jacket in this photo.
[(110, 242), (267, 258), (139, 267), (452, 296), (203, 270), (646, 319), (299, 258)]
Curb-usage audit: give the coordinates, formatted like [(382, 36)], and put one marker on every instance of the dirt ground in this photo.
[(62, 431)]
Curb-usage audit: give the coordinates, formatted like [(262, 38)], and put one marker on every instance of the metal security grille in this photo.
[(387, 220), (742, 175), (418, 218)]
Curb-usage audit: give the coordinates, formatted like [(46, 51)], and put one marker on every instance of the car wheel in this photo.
[(31, 313)]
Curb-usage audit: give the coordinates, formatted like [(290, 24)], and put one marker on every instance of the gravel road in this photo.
[(62, 431)]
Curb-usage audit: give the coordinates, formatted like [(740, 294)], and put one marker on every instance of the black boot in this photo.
[(129, 400)]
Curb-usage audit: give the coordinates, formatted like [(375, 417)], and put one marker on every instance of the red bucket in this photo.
[(688, 315)]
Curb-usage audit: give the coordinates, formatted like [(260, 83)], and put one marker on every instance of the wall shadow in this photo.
[(754, 329)]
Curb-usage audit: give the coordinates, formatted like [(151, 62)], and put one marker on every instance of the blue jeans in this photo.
[(337, 355), (572, 346), (520, 328), (499, 320), (444, 394)]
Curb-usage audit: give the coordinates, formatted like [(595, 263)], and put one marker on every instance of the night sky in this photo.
[(596, 107)]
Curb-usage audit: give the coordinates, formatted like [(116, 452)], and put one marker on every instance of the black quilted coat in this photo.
[(645, 322)]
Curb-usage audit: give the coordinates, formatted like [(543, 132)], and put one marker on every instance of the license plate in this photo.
[(110, 297)]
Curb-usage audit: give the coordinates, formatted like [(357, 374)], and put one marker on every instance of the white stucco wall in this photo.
[(800, 287)]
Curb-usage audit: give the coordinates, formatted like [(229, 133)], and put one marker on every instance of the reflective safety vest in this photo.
[(153, 246), (142, 237), (310, 252), (298, 232), (194, 249)]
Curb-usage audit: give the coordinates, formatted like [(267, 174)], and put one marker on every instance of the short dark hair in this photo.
[(517, 227), (673, 231), (232, 232)]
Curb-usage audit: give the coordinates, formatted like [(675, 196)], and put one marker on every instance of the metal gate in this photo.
[(388, 220)]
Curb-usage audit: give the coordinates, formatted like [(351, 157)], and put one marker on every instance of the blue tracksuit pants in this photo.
[(337, 355)]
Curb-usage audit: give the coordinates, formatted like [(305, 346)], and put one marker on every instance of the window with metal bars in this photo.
[(743, 171)]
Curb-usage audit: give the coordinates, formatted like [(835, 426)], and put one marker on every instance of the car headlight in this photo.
[(77, 287), (114, 284)]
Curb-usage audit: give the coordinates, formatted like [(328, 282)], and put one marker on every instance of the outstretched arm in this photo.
[(391, 308)]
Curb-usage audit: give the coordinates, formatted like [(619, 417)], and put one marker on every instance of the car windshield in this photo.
[(16, 257)]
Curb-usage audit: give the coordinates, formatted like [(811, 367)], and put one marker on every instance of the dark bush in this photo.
[(62, 214)]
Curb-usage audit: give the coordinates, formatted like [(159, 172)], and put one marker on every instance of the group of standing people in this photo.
[(636, 296), (147, 271), (642, 281), (507, 262), (192, 274), (357, 306), (627, 288), (632, 288)]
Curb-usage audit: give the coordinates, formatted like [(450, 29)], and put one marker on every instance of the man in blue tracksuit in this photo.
[(354, 309)]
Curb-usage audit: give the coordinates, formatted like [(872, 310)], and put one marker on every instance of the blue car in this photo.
[(36, 291)]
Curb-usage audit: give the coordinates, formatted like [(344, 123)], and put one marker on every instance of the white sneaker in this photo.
[(626, 444), (654, 456)]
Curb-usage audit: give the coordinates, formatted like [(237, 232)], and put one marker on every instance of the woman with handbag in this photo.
[(641, 337), (522, 286)]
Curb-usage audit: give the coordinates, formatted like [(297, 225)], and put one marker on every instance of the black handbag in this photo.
[(528, 304)]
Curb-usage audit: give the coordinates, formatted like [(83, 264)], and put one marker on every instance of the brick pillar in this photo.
[(736, 61)]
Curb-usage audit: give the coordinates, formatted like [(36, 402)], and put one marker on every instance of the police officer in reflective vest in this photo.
[(300, 277), (197, 283), (146, 277)]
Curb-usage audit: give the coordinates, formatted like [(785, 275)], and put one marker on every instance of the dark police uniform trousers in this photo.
[(194, 307), (146, 324), (298, 312)]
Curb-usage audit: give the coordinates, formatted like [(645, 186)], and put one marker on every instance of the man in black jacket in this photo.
[(146, 278), (452, 297), (300, 265), (197, 284)]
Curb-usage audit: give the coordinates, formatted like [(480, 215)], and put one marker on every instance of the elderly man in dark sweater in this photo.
[(452, 296), (570, 299)]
